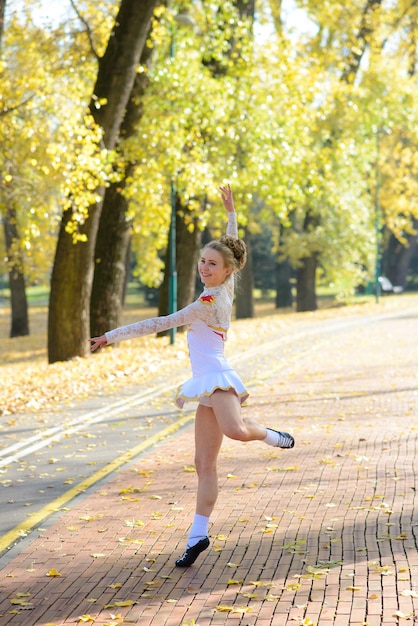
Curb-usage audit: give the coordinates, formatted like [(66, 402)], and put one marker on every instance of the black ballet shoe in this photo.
[(285, 439), (191, 554)]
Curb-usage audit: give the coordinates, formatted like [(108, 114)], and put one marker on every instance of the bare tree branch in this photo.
[(87, 27), (8, 110)]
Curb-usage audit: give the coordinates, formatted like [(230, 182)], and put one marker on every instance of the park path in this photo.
[(324, 534)]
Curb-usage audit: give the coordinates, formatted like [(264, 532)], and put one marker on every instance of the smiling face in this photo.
[(212, 269)]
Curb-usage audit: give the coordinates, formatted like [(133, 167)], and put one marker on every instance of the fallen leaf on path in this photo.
[(53, 573)]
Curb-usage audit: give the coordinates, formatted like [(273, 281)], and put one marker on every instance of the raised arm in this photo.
[(228, 202)]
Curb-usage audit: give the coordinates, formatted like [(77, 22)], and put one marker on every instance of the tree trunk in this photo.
[(72, 275), (305, 283), (284, 297), (398, 257), (361, 42), (18, 300), (112, 244), (2, 13), (244, 298), (187, 250), (113, 236), (305, 275)]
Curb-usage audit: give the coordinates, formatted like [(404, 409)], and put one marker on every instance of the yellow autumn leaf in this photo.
[(224, 608), (189, 468), (20, 602), (124, 603), (271, 597), (351, 588), (317, 570), (134, 523), (232, 581), (307, 622), (242, 609), (115, 585), (292, 586), (232, 565), (409, 593), (97, 555), (261, 583), (86, 618), (53, 573), (401, 615)]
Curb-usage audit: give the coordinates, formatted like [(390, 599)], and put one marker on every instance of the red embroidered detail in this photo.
[(220, 334), (208, 299)]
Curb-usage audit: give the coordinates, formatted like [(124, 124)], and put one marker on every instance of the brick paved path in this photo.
[(325, 534)]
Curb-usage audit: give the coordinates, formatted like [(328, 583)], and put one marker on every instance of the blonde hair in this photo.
[(233, 251)]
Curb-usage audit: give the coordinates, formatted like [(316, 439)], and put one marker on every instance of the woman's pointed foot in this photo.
[(191, 554), (284, 440)]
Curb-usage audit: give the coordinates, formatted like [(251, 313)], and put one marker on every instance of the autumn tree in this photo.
[(115, 226), (29, 186), (332, 227), (71, 282)]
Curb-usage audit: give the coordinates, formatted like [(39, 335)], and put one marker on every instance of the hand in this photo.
[(98, 342), (227, 198)]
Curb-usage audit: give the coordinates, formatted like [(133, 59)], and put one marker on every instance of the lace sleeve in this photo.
[(232, 227), (194, 311), (232, 231)]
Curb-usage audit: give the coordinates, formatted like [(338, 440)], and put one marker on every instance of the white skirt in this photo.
[(200, 388)]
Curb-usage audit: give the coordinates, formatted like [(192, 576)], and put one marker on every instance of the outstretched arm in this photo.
[(98, 342), (196, 310)]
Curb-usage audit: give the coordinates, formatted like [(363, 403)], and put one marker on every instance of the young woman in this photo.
[(215, 385)]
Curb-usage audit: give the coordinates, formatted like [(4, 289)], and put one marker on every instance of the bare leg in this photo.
[(208, 440), (223, 418), (227, 408)]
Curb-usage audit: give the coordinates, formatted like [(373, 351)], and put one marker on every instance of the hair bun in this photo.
[(238, 249)]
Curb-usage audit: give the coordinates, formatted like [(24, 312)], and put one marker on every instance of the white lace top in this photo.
[(208, 319)]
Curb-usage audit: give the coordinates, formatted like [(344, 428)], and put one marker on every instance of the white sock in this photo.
[(271, 438), (199, 530)]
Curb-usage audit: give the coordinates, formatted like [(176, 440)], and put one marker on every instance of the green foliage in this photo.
[(50, 150), (313, 153)]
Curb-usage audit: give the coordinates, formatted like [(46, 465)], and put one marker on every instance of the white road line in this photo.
[(32, 444), (23, 448)]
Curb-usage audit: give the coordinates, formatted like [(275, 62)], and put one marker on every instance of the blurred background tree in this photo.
[(308, 108)]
